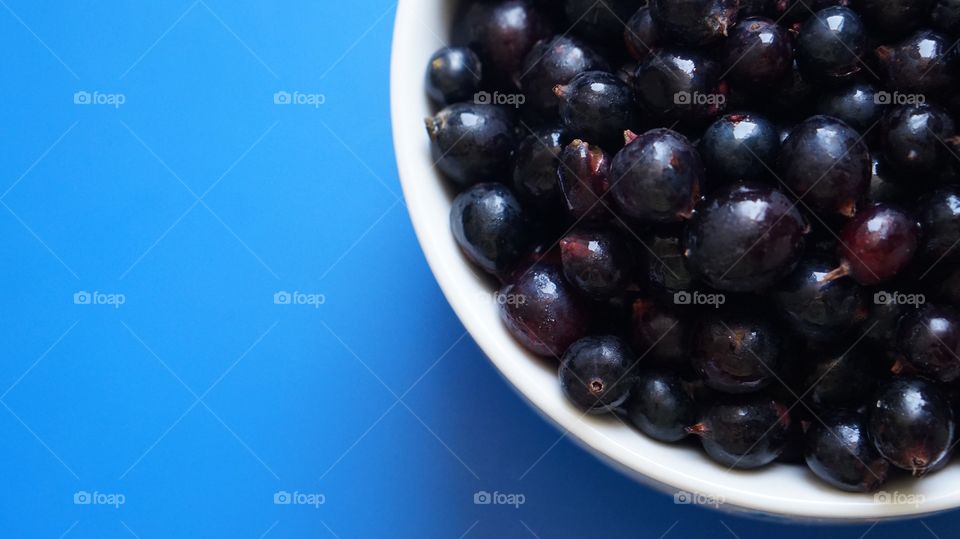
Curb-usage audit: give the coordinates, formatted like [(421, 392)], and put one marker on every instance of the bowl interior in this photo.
[(790, 491)]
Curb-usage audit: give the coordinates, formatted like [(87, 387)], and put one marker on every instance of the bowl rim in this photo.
[(428, 203)]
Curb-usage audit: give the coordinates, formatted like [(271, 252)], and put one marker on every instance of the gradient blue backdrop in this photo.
[(199, 398)]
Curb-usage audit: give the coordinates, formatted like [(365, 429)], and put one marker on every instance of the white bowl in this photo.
[(788, 491)]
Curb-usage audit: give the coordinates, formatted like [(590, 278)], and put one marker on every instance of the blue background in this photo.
[(199, 398)]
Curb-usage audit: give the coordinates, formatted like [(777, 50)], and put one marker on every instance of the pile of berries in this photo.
[(735, 222)]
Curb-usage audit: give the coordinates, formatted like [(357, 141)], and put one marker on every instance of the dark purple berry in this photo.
[(831, 44), (667, 271), (939, 214), (660, 335), (839, 451), (656, 178), (554, 62), (826, 165), (858, 105), (597, 106), (929, 339), (758, 54), (597, 263), (885, 184), (542, 311), (535, 169), (472, 143), (737, 354), (744, 432), (502, 32), (762, 238), (641, 34), (820, 310), (877, 244), (911, 424), (680, 85), (490, 226), (453, 75), (925, 63), (913, 140), (584, 180), (595, 373), (660, 406), (894, 17), (694, 22), (847, 379), (740, 147), (946, 16)]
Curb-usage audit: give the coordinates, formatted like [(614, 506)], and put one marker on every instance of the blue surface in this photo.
[(198, 398)]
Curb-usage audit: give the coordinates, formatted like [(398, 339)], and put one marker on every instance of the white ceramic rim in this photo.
[(784, 491)]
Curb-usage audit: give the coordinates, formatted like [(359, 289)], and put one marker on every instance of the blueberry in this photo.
[(839, 451), (502, 32), (535, 169), (597, 106), (737, 353), (583, 177), (601, 22), (744, 432), (595, 262), (679, 85), (762, 240), (858, 105), (694, 22), (656, 178), (912, 424), (939, 214), (542, 311), (912, 138), (595, 373), (930, 341), (453, 75), (641, 34), (660, 405), (490, 226), (831, 44), (554, 62), (924, 63), (877, 244), (820, 310), (740, 146), (472, 143), (826, 164), (758, 54)]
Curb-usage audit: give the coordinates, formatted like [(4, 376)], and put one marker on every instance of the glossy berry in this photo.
[(912, 138), (845, 379), (598, 22), (597, 263), (597, 106), (858, 105), (490, 227), (912, 424), (817, 309), (595, 373), (694, 22), (660, 405), (839, 451), (502, 32), (583, 177), (924, 63), (825, 163), (453, 75), (679, 85), (894, 18), (758, 54), (542, 311), (554, 62), (877, 244), (744, 432), (740, 146), (472, 143), (641, 34), (831, 44), (656, 178), (660, 335), (929, 339), (535, 169), (939, 214), (737, 354), (762, 240)]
